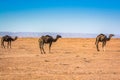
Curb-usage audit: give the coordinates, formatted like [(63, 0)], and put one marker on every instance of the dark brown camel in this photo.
[(102, 38), (7, 39), (47, 39)]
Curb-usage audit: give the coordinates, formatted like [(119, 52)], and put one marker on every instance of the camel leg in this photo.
[(40, 42), (43, 49), (103, 46), (50, 47), (10, 44), (7, 44), (40, 46), (97, 46), (2, 44)]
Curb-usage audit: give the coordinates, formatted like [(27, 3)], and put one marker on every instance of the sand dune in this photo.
[(70, 59)]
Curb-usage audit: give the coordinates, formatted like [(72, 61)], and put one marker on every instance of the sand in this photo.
[(70, 59)]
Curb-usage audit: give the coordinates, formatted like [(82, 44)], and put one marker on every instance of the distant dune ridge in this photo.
[(64, 35)]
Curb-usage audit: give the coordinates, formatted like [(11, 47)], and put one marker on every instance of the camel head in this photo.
[(15, 38), (58, 36), (111, 35)]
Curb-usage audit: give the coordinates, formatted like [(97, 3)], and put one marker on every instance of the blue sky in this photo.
[(74, 16)]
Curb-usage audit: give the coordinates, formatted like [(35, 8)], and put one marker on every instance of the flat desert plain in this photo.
[(70, 59)]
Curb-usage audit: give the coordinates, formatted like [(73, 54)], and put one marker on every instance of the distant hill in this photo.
[(64, 35)]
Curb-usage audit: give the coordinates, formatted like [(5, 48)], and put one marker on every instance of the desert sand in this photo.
[(70, 59)]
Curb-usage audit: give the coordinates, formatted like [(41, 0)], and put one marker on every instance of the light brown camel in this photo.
[(102, 38), (7, 39), (47, 39)]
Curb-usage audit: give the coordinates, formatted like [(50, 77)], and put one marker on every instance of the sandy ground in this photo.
[(70, 59)]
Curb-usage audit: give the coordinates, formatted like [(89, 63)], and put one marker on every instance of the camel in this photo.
[(47, 40), (7, 39), (102, 38)]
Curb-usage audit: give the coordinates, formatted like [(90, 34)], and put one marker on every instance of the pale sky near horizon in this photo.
[(74, 16)]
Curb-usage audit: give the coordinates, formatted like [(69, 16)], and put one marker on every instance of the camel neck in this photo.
[(13, 39), (108, 38), (55, 39)]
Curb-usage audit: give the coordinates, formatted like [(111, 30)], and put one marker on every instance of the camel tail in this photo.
[(95, 41), (39, 39), (1, 42)]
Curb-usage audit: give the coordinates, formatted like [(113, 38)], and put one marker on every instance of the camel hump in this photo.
[(6, 36), (44, 38), (47, 35), (102, 34)]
